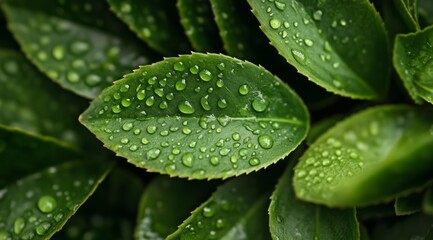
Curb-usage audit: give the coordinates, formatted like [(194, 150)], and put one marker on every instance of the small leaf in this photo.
[(413, 60), (196, 18), (408, 12), (166, 203), (413, 227), (154, 21), (110, 213), (29, 105), (78, 44), (408, 204), (37, 206), (291, 218), (344, 53), (235, 211), (22, 153), (199, 116), (368, 158)]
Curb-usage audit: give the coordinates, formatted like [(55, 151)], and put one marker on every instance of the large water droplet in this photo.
[(179, 66), (259, 105), (266, 141), (299, 56), (153, 153), (19, 225), (185, 107), (127, 126), (170, 168), (194, 69), (222, 103), (180, 85), (214, 160), (47, 204), (205, 75), (275, 23), (188, 159), (205, 103), (280, 5), (243, 89), (73, 77)]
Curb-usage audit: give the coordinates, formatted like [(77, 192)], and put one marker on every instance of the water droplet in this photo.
[(42, 228), (220, 223), (127, 126), (254, 161), (58, 52), (163, 105), (179, 66), (205, 75), (151, 129), (180, 85), (79, 47), (209, 211), (19, 225), (343, 22), (214, 160), (4, 235), (222, 103), (308, 42), (275, 23), (144, 141), (279, 5), (336, 65), (186, 131), (317, 15), (266, 141), (204, 103), (220, 83), (73, 77), (194, 69), (185, 107), (124, 140), (125, 7), (259, 105), (188, 159), (301, 174), (170, 168), (153, 153), (47, 204), (224, 151), (244, 90), (299, 56), (159, 92), (236, 136), (93, 79), (150, 101)]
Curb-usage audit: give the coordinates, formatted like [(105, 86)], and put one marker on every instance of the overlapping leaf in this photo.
[(154, 21), (290, 218), (26, 100), (197, 19), (37, 206), (413, 60), (166, 203), (369, 157), (235, 211), (199, 116), (408, 11), (343, 52), (78, 44)]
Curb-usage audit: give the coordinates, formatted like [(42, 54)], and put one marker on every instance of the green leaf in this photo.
[(290, 218), (407, 205), (83, 54), (37, 206), (427, 203), (197, 20), (343, 52), (110, 213), (156, 22), (413, 60), (22, 153), (237, 210), (199, 116), (408, 11), (166, 203), (29, 105), (368, 158), (413, 227)]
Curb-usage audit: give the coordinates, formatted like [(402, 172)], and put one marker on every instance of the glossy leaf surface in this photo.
[(235, 211), (344, 53), (413, 60), (165, 203), (154, 21), (199, 116), (22, 153), (290, 218), (198, 22), (35, 111), (37, 206), (83, 54), (368, 158)]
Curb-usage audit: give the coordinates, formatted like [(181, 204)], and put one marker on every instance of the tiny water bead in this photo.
[(47, 204), (254, 161), (299, 56), (209, 211)]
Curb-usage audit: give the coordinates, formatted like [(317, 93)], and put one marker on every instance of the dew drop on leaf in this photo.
[(243, 89), (153, 153), (19, 225), (205, 75), (179, 66), (209, 211), (188, 159), (266, 141), (185, 107), (275, 23), (299, 56), (47, 204)]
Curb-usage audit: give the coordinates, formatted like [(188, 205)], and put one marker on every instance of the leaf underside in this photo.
[(199, 116), (368, 158), (344, 53)]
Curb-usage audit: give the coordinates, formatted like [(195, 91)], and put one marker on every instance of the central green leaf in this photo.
[(199, 116)]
